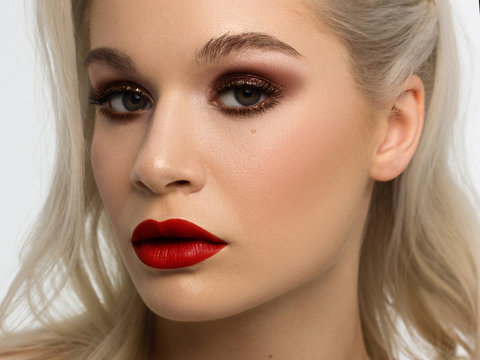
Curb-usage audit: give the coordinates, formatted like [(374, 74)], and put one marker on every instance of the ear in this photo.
[(401, 131)]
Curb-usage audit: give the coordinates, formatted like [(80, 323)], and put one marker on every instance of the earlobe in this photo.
[(403, 127)]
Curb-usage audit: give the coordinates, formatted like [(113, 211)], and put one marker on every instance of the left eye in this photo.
[(128, 102), (242, 96)]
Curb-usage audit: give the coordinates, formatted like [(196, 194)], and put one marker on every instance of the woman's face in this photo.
[(262, 140)]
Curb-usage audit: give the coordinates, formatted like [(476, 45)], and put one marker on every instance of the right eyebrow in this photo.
[(110, 56)]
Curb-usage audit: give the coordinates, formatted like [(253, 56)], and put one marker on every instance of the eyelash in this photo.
[(101, 97), (238, 81)]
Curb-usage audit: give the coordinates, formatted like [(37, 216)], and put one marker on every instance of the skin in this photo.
[(288, 189)]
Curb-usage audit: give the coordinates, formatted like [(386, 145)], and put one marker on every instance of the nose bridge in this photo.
[(168, 158)]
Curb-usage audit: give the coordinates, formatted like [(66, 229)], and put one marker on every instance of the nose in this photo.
[(168, 159)]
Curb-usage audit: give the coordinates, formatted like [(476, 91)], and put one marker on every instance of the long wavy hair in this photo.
[(419, 266)]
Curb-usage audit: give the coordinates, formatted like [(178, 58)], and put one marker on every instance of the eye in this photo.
[(242, 96), (245, 94), (121, 100), (128, 101)]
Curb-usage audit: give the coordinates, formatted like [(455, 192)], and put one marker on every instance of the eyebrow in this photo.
[(110, 56), (220, 47), (213, 51)]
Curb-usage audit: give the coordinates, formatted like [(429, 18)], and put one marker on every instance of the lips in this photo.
[(174, 243)]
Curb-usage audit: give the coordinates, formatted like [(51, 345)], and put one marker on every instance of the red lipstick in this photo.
[(174, 243)]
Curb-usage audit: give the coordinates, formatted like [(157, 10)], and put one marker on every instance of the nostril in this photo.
[(140, 185), (179, 182)]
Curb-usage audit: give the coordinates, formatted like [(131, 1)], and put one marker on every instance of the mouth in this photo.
[(174, 243)]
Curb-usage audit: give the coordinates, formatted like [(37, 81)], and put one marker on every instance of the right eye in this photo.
[(128, 101), (119, 101)]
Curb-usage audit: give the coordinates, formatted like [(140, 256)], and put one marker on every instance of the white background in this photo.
[(26, 142)]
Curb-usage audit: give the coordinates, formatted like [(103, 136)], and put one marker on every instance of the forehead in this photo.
[(178, 26)]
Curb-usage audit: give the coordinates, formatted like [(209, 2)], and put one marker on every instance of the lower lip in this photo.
[(175, 254)]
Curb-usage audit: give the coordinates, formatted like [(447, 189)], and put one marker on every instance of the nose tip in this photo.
[(153, 174)]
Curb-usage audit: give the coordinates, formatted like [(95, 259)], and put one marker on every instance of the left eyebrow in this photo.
[(220, 47)]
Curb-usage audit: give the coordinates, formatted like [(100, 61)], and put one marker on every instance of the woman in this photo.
[(255, 179)]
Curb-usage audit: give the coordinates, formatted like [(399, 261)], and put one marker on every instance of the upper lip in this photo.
[(172, 229)]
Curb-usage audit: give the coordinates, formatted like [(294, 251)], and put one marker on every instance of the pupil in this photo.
[(247, 96), (132, 102), (247, 93)]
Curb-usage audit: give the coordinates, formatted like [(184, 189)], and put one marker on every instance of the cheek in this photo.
[(299, 193), (311, 167), (112, 165)]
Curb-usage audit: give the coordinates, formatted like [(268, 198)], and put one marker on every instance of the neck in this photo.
[(319, 320)]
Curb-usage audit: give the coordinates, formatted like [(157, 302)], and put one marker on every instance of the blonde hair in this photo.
[(417, 268)]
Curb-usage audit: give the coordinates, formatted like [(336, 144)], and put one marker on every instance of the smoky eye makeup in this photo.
[(121, 100), (238, 94), (244, 94)]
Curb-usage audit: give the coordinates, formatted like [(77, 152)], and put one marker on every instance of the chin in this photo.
[(207, 303), (191, 310)]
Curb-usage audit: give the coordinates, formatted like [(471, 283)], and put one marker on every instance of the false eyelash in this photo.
[(98, 98), (233, 81)]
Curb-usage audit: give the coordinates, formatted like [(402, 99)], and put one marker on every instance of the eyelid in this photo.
[(102, 94), (241, 79)]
